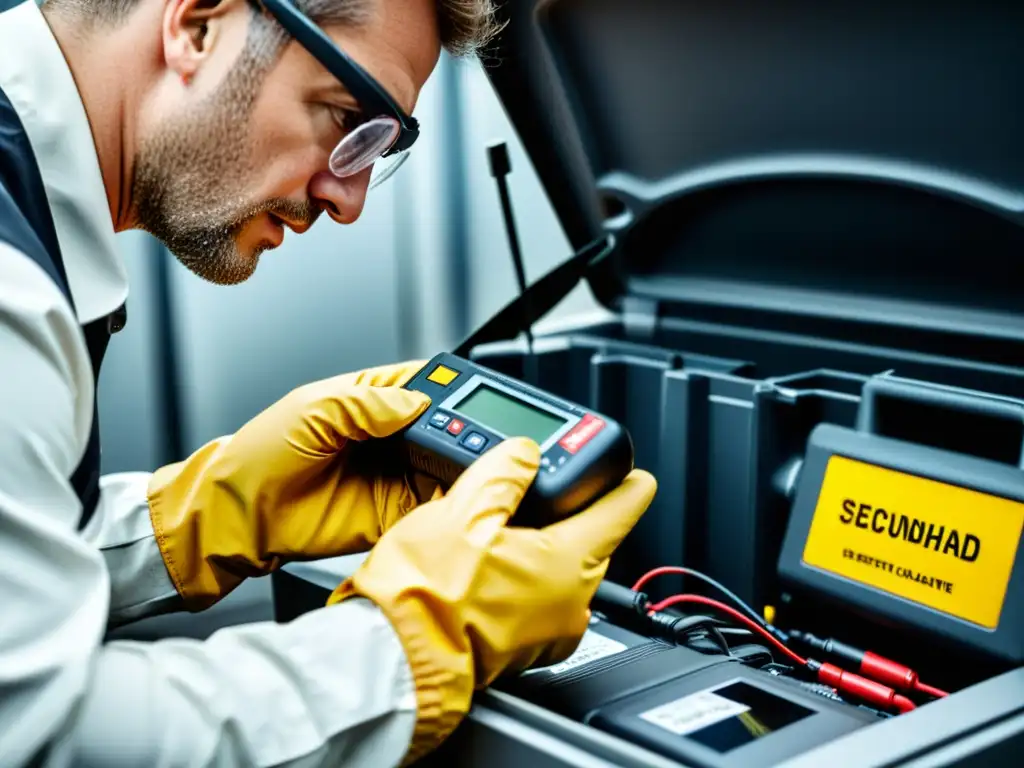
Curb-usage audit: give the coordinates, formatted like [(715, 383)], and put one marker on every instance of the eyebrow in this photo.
[(337, 87)]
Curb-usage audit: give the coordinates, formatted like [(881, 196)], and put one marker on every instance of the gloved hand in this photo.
[(471, 598), (282, 487)]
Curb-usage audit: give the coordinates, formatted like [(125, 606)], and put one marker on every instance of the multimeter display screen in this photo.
[(508, 415)]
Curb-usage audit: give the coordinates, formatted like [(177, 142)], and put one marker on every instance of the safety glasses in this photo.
[(386, 132)]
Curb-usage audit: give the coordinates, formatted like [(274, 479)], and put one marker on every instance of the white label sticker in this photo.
[(691, 713), (593, 646)]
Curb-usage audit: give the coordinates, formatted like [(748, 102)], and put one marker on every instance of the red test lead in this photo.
[(869, 664), (868, 691), (848, 683)]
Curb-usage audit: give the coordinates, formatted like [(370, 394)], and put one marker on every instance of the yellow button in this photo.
[(443, 376)]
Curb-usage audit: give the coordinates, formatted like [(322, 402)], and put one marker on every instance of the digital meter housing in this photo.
[(583, 454)]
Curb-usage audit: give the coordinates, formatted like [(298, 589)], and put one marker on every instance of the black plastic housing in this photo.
[(613, 691), (820, 719), (742, 152), (637, 663), (585, 456)]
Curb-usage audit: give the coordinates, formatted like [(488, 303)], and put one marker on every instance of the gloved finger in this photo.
[(558, 651), (489, 491), (392, 375), (425, 487), (597, 531), (393, 499), (359, 412)]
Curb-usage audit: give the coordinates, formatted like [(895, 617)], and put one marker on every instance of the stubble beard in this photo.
[(190, 173)]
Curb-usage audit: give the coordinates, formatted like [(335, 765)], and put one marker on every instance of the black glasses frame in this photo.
[(373, 99)]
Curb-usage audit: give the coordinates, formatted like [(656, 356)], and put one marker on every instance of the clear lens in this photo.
[(386, 166), (364, 146)]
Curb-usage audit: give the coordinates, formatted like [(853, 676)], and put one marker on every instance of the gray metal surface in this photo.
[(962, 730)]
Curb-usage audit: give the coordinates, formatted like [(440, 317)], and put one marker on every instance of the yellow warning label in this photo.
[(939, 545)]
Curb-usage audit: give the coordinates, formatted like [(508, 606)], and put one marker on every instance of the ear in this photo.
[(191, 30)]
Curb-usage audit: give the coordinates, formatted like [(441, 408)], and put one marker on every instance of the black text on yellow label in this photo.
[(939, 545)]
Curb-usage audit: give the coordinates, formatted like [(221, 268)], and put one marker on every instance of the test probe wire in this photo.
[(755, 627), (760, 626), (845, 682), (931, 690), (680, 570)]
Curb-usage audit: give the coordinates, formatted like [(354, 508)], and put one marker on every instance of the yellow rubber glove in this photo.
[(283, 487), (471, 598)]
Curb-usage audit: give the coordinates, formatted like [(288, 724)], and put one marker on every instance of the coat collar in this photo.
[(37, 80)]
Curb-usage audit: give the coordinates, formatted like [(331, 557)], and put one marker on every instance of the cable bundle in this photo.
[(876, 681)]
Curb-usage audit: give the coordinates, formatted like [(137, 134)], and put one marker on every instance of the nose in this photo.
[(342, 199)]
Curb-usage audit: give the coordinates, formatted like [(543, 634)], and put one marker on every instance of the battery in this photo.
[(728, 715), (610, 662), (702, 709)]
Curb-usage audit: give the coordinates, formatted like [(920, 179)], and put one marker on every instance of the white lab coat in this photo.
[(331, 688)]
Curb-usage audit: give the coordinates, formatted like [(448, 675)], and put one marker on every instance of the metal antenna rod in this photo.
[(501, 166)]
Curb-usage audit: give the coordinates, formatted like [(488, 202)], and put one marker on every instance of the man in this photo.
[(215, 124)]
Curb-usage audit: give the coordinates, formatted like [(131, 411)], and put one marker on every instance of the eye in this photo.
[(347, 118)]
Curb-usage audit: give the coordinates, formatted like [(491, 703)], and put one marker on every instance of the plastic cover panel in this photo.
[(669, 86), (870, 148), (853, 237)]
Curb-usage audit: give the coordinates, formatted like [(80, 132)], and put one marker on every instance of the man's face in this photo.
[(241, 150)]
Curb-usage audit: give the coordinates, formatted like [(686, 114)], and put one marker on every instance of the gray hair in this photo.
[(465, 26)]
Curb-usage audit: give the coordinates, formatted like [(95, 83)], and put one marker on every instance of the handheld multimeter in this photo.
[(583, 454)]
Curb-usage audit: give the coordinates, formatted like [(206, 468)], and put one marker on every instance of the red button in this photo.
[(456, 426), (582, 433)]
